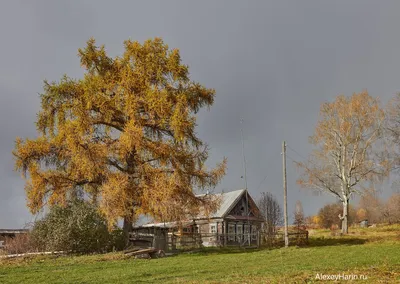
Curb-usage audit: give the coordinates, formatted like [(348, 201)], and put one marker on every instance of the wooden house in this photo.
[(236, 222)]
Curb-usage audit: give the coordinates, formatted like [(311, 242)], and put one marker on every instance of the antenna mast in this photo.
[(244, 157), (245, 184)]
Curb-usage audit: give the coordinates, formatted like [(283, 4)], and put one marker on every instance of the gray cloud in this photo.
[(272, 63)]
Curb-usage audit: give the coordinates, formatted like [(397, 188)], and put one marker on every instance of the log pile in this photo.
[(147, 253)]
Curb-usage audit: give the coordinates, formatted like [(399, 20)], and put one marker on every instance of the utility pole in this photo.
[(285, 194)]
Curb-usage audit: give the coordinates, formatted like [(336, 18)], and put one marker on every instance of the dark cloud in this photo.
[(271, 63)]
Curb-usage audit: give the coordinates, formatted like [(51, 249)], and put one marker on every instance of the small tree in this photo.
[(373, 206), (271, 212), (299, 220), (345, 141), (328, 215), (393, 208), (361, 214), (313, 221)]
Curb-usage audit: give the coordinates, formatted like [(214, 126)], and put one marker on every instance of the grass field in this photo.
[(371, 252)]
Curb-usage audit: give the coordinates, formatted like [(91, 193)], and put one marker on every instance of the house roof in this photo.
[(13, 231), (229, 200), (166, 224)]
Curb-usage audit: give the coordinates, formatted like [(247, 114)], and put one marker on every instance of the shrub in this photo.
[(117, 240), (77, 227), (21, 243)]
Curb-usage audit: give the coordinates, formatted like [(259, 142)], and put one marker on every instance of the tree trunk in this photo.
[(345, 225), (127, 227)]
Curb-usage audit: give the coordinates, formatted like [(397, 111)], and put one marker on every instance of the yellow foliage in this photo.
[(350, 151), (361, 214), (124, 133), (316, 220)]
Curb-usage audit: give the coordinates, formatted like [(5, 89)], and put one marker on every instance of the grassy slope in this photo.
[(372, 252)]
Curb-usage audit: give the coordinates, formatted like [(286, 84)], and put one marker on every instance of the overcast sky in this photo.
[(272, 63)]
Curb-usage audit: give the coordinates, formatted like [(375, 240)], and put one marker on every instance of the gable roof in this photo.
[(229, 200)]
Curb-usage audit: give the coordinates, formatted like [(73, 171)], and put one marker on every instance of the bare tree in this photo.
[(373, 206), (299, 220), (392, 128), (271, 212), (393, 209)]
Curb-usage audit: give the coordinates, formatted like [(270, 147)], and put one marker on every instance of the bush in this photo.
[(77, 227), (117, 240), (21, 243)]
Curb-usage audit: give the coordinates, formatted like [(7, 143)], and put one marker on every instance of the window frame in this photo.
[(239, 235), (213, 228), (253, 233), (231, 232)]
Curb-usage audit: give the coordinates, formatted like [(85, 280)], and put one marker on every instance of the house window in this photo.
[(246, 233), (231, 232), (253, 232), (239, 232), (213, 228)]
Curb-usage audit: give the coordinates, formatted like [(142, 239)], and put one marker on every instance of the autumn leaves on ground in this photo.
[(371, 252)]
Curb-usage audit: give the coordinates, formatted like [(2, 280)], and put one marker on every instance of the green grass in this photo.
[(371, 252)]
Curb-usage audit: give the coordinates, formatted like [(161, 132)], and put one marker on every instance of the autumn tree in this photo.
[(328, 215), (361, 214), (313, 221), (271, 212), (373, 206), (344, 159), (124, 134)]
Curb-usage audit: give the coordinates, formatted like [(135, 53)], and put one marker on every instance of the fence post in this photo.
[(225, 230), (258, 238)]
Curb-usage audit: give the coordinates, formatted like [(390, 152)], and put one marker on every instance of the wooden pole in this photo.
[(225, 232), (285, 193)]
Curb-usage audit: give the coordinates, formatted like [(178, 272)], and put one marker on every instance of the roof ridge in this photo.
[(203, 194)]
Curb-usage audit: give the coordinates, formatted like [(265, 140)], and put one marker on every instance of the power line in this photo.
[(261, 183), (291, 159), (293, 150), (303, 157)]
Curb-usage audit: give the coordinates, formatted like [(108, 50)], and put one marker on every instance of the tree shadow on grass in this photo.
[(219, 250), (313, 242), (320, 242)]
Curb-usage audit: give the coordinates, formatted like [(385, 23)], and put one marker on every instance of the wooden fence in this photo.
[(186, 241)]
